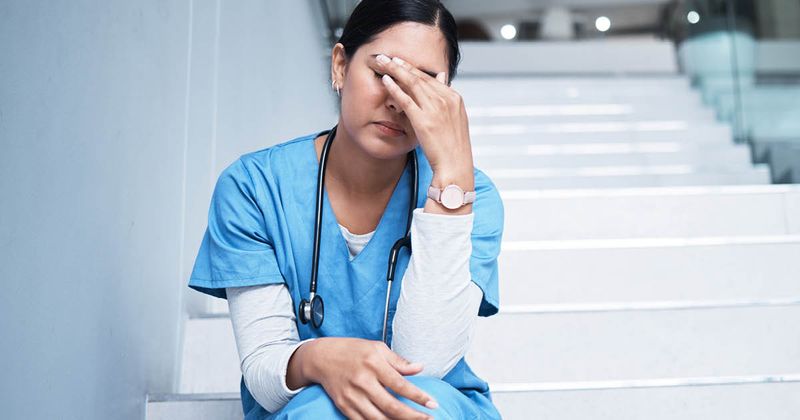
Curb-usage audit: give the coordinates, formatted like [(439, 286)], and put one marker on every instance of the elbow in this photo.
[(440, 368), (437, 355), (256, 378)]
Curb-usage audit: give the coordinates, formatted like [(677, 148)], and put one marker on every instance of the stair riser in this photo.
[(752, 177), (726, 159), (210, 359), (692, 115), (597, 217), (776, 401), (579, 346), (689, 273), (637, 344), (730, 402), (228, 409), (540, 135)]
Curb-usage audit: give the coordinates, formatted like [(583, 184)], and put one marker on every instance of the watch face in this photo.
[(452, 197)]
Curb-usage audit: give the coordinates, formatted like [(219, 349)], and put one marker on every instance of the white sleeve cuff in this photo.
[(284, 367)]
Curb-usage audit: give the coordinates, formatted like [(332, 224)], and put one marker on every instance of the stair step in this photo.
[(583, 110), (767, 399), (599, 149), (520, 91), (644, 270), (530, 134), (744, 398), (590, 342), (587, 82), (504, 95), (210, 358), (727, 157), (630, 344), (648, 270), (638, 213), (626, 177), (213, 406), (561, 113), (577, 125), (670, 102)]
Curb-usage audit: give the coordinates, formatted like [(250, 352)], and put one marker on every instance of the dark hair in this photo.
[(372, 17)]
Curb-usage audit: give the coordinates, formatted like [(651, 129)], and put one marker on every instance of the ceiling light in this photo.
[(602, 24)]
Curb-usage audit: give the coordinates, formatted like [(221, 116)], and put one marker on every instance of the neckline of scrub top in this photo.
[(331, 223)]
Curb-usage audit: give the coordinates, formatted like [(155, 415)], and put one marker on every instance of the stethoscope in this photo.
[(313, 309)]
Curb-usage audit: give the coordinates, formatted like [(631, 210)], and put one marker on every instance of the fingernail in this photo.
[(398, 60), (382, 59), (432, 404)]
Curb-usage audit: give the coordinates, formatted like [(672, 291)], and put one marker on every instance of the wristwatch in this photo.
[(451, 196)]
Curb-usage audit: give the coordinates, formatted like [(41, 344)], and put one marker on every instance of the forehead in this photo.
[(421, 45)]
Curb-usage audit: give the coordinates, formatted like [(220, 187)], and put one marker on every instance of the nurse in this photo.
[(392, 69)]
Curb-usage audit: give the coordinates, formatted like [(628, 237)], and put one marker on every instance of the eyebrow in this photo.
[(428, 72)]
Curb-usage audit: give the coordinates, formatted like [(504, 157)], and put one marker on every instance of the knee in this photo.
[(313, 402), (452, 403), (310, 403), (431, 385)]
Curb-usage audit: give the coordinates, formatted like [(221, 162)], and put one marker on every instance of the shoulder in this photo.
[(262, 167), (257, 176), (275, 156)]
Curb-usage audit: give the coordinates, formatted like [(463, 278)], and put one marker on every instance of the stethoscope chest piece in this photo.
[(313, 311)]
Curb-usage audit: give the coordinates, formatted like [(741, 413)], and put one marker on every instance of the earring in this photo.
[(336, 88)]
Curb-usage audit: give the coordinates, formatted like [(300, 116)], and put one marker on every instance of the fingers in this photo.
[(366, 397), (413, 81), (421, 75), (405, 388), (367, 409), (393, 407), (403, 366), (406, 102)]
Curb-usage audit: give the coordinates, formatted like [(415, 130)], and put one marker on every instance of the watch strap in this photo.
[(436, 195)]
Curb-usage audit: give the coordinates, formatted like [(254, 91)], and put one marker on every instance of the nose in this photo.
[(392, 104)]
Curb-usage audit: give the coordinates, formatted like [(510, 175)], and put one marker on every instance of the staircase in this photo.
[(648, 270)]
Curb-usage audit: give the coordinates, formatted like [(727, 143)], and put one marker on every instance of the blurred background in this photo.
[(647, 152)]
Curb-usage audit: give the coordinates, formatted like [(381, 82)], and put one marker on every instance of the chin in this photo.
[(387, 148)]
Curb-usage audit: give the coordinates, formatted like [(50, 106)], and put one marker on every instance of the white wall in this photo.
[(115, 119)]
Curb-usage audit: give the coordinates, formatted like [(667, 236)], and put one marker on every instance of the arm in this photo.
[(266, 338), (353, 371), (438, 305)]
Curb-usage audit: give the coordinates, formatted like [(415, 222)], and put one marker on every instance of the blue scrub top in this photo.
[(261, 230)]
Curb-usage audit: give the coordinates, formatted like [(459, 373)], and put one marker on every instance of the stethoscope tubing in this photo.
[(306, 307)]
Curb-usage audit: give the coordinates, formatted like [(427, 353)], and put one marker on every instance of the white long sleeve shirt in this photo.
[(433, 324)]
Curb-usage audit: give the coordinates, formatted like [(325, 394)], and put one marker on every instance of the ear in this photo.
[(338, 64)]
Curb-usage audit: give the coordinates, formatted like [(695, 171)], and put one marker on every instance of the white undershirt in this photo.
[(355, 242), (433, 324)]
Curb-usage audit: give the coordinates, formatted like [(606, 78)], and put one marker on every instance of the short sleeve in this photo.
[(487, 235), (236, 250)]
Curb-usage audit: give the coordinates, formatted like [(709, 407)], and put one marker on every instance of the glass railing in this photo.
[(744, 57)]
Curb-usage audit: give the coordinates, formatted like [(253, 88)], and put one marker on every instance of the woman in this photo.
[(257, 250)]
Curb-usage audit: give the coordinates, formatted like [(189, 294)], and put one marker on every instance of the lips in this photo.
[(391, 125)]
